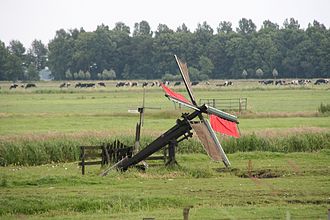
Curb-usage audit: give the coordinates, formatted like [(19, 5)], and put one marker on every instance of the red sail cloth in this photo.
[(174, 95), (223, 126)]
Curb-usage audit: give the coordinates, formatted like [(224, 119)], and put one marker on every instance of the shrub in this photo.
[(324, 108)]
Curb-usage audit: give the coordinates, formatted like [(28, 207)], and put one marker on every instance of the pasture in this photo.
[(260, 184)]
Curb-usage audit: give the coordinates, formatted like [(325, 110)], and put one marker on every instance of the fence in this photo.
[(239, 104), (106, 153)]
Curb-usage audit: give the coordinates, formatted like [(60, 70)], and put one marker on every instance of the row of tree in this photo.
[(290, 51)]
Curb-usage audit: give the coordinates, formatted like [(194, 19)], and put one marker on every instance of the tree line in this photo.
[(272, 51)]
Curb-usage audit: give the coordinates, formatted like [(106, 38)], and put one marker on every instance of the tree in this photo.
[(87, 75), (246, 26), (275, 73), (193, 73), (60, 56), (16, 48), (259, 73), (121, 27), (267, 24), (142, 29), (163, 29), (244, 74), (81, 75), (32, 73), (126, 72), (206, 66), (108, 74), (3, 60), (291, 24), (38, 54), (183, 29), (68, 75), (224, 27)]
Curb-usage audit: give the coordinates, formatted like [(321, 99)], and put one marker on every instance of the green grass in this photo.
[(59, 191), (78, 110), (45, 125)]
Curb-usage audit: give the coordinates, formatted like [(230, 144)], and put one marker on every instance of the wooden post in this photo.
[(186, 213), (171, 153), (82, 160), (239, 105), (164, 154), (105, 155)]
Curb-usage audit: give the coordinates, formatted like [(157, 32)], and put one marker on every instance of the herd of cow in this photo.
[(293, 82), (26, 86), (156, 83)]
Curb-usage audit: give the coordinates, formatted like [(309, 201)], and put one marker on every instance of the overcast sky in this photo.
[(26, 20)]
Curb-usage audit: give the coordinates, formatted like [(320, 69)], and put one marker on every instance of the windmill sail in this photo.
[(177, 97), (185, 76), (224, 126), (210, 141)]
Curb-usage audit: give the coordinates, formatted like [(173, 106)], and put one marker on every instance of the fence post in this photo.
[(239, 105), (186, 213), (82, 148)]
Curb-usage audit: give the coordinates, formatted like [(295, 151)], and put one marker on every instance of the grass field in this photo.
[(297, 186)]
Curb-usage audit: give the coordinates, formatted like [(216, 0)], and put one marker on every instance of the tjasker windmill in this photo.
[(220, 121)]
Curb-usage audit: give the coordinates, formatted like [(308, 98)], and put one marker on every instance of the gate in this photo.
[(239, 104)]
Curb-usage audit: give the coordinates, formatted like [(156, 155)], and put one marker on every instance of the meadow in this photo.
[(280, 166)]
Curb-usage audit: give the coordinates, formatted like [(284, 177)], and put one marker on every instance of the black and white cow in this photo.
[(13, 86), (30, 85), (321, 81)]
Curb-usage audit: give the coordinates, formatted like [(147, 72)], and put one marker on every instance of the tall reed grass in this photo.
[(67, 149)]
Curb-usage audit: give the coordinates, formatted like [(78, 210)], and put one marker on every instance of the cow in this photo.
[(84, 85), (294, 82), (226, 83), (101, 84), (194, 83), (166, 83), (30, 85), (154, 84), (321, 81), (177, 83), (303, 81), (280, 82), (65, 84), (134, 84), (120, 84), (88, 85), (13, 86), (144, 84), (266, 82)]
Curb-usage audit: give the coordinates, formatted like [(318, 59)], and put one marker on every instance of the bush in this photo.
[(324, 108), (170, 77)]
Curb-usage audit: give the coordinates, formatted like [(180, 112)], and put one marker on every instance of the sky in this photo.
[(26, 20)]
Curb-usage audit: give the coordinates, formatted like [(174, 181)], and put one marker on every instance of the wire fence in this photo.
[(239, 104)]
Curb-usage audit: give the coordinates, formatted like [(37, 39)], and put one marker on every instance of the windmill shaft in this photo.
[(181, 128)]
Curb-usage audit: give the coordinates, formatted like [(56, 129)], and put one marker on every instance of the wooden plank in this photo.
[(155, 158), (92, 147), (90, 163), (92, 155)]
